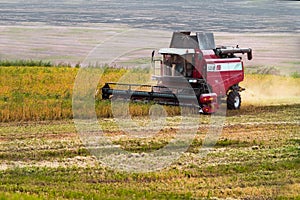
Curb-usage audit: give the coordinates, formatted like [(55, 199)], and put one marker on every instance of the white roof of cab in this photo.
[(176, 51)]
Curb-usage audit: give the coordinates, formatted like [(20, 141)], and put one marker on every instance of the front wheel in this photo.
[(234, 100)]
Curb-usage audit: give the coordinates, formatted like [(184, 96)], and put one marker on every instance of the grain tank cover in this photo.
[(200, 40), (206, 41)]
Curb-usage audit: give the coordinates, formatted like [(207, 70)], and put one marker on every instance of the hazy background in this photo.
[(206, 15), (68, 31)]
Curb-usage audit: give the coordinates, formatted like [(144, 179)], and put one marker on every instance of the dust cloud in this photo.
[(270, 89)]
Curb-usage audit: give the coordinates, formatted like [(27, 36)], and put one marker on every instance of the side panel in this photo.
[(224, 73), (201, 57), (199, 64)]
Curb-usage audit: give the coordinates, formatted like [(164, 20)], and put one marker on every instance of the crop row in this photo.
[(45, 93)]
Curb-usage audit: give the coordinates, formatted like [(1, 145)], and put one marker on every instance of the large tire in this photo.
[(234, 100)]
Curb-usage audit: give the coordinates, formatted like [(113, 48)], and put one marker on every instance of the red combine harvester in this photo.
[(192, 72)]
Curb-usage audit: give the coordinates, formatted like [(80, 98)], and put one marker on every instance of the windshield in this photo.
[(176, 65)]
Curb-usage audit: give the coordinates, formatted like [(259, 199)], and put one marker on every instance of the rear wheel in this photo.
[(234, 100)]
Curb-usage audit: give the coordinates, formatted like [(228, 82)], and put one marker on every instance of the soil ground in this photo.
[(275, 53)]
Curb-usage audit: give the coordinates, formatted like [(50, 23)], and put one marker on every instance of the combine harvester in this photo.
[(192, 72)]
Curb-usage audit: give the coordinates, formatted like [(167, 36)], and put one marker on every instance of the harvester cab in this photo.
[(193, 67)]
